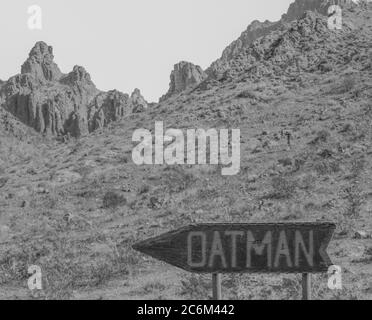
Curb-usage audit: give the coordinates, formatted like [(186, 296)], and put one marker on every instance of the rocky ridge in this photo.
[(259, 29), (186, 74), (58, 104)]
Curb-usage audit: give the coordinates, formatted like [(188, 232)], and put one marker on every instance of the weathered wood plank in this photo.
[(243, 248)]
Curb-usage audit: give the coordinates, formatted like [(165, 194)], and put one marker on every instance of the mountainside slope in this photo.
[(76, 208), (258, 29), (254, 31)]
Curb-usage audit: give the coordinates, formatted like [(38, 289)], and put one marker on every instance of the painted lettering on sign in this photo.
[(226, 249)]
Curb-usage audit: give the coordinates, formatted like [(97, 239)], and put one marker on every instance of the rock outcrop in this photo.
[(40, 63), (139, 103), (108, 107), (254, 31), (184, 75), (52, 108), (297, 8), (57, 104)]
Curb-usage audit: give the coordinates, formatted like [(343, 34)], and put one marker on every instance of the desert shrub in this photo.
[(347, 127), (86, 193), (153, 286), (112, 199), (253, 95), (286, 162), (207, 194), (324, 167), (283, 188), (124, 159), (301, 160), (76, 147), (84, 171), (321, 136), (348, 84), (47, 201), (325, 66), (354, 200), (176, 179), (325, 153), (307, 182), (368, 252), (364, 4), (3, 181), (196, 287), (145, 188), (248, 93), (357, 167)]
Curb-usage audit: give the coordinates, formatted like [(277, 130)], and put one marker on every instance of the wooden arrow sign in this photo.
[(243, 248)]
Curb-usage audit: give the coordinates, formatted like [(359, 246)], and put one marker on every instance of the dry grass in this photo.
[(80, 232)]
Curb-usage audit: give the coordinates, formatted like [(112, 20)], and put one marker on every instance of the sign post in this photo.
[(245, 248), (217, 286), (306, 286)]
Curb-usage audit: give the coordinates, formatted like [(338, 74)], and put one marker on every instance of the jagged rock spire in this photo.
[(40, 63)]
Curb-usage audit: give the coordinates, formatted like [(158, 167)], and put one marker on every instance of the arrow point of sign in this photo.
[(140, 246), (136, 247)]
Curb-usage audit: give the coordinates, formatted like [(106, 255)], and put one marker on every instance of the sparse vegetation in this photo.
[(282, 188), (80, 231), (348, 84), (112, 199), (324, 167), (177, 179), (321, 136), (354, 201)]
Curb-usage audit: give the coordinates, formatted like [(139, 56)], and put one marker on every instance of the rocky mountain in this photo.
[(184, 75), (58, 104), (76, 208), (259, 29)]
